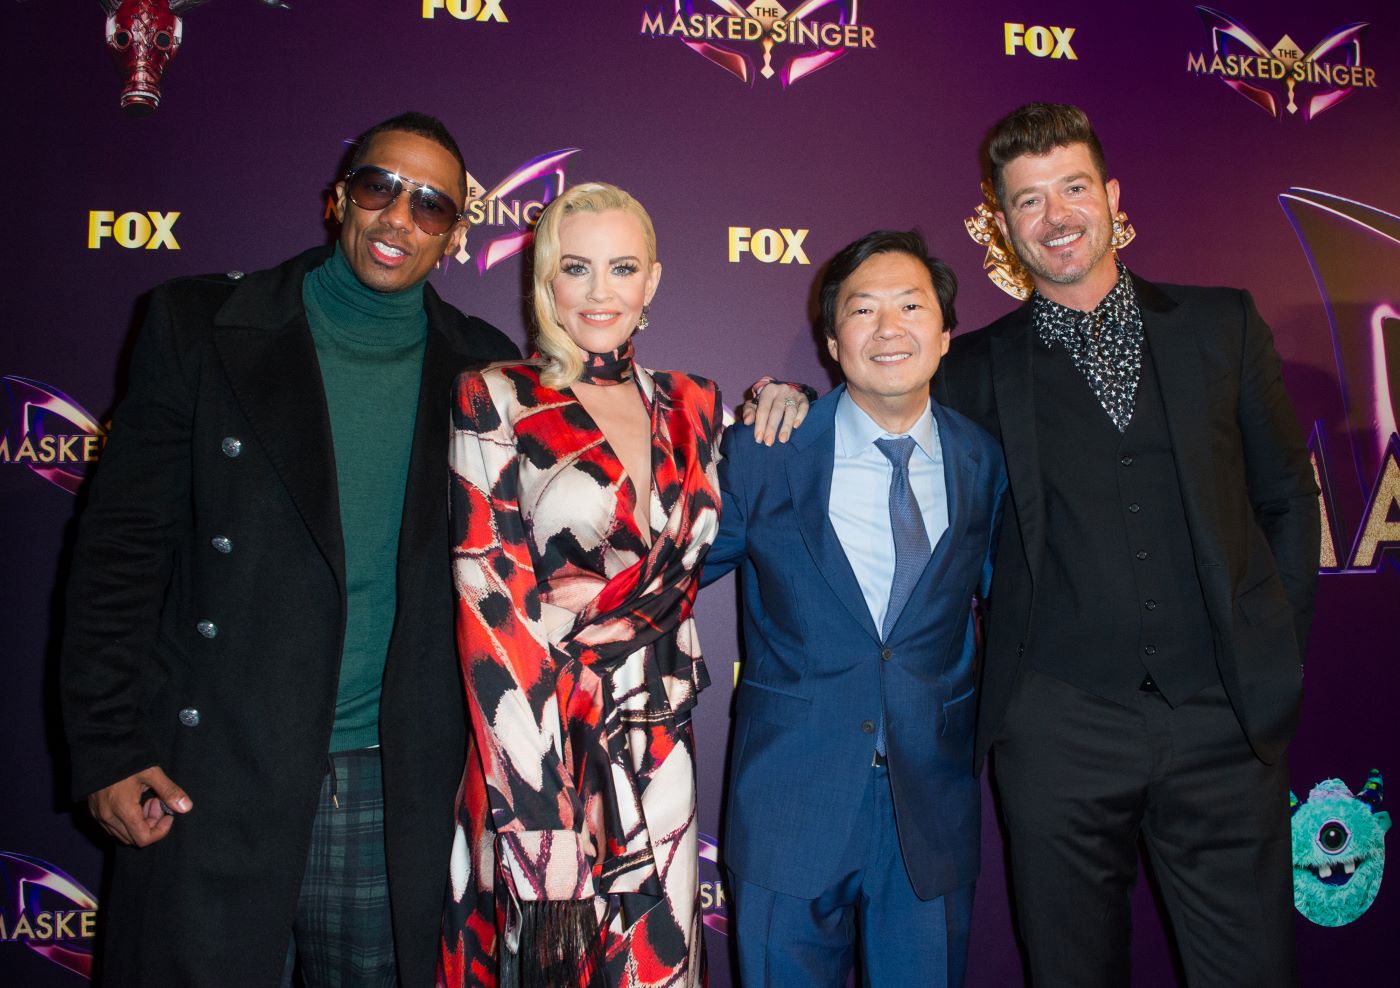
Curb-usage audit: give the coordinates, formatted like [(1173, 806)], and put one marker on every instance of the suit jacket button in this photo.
[(868, 726), (207, 628), (222, 544), (1020, 649), (189, 716), (886, 654), (231, 446)]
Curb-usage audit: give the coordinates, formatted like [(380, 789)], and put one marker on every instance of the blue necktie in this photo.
[(911, 546)]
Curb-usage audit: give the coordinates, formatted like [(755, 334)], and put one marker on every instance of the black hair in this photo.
[(853, 255), (412, 122)]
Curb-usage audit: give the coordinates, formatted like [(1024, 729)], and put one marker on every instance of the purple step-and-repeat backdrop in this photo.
[(1256, 145)]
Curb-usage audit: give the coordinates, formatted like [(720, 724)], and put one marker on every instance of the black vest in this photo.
[(1117, 597)]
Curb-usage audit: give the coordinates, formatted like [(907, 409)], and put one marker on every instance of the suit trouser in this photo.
[(1081, 776), (788, 942)]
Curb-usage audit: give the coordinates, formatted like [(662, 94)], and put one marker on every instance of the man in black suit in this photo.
[(259, 677), (1153, 589)]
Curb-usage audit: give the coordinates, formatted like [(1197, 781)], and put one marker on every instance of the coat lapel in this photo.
[(265, 345), (1012, 384), (424, 512), (809, 463)]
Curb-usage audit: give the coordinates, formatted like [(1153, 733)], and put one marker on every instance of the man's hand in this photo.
[(127, 814), (774, 411)]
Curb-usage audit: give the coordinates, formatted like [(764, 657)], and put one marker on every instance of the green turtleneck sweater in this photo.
[(370, 348)]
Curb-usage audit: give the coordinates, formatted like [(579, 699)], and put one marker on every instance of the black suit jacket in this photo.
[(1246, 481), (231, 358)]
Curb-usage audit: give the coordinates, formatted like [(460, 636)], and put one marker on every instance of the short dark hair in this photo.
[(853, 255), (1038, 129), (412, 122)]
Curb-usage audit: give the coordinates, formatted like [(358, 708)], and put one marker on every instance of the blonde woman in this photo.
[(584, 499)]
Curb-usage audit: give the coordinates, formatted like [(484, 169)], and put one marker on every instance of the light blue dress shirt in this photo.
[(860, 491)]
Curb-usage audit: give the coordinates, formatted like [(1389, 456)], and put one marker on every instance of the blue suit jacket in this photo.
[(816, 669)]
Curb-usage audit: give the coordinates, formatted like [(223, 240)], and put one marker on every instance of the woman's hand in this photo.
[(774, 410)]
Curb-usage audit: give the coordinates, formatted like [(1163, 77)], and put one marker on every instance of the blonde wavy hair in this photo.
[(562, 362)]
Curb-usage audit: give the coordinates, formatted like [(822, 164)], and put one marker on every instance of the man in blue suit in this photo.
[(853, 810)]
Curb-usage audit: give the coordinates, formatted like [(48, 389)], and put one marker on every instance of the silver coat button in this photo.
[(231, 446), (207, 628), (221, 543), (235, 275), (189, 716)]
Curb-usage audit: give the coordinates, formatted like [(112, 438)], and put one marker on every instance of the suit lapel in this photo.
[(264, 343), (809, 463), (1013, 386), (1176, 356)]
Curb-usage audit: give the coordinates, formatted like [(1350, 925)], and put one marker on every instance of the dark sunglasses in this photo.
[(373, 188)]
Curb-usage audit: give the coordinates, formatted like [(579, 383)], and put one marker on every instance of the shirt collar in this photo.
[(856, 431), (1117, 308)]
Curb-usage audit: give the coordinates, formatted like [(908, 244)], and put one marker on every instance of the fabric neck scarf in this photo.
[(607, 369), (1104, 343)]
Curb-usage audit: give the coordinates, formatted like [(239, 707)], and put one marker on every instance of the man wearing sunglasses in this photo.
[(259, 674)]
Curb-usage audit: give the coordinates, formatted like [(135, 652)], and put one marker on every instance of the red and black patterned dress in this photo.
[(581, 666)]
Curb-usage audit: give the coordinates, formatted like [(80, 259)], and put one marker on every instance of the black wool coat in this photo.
[(225, 435)]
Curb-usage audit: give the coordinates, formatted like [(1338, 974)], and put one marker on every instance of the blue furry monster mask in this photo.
[(1338, 850)]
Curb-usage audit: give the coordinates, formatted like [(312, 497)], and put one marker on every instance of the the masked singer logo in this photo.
[(50, 433), (48, 911), (714, 901), (813, 34), (503, 218), (1333, 67), (1354, 250)]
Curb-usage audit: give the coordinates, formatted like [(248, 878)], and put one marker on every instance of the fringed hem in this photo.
[(561, 946)]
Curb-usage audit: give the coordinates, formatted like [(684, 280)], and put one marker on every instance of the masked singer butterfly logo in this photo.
[(48, 911), (764, 34), (714, 900), (1271, 78), (502, 219), (50, 433)]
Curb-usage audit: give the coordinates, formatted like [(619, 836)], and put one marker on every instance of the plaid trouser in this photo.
[(342, 937)]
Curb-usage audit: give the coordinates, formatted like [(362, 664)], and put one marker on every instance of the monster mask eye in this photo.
[(1333, 837), (163, 40), (121, 39)]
